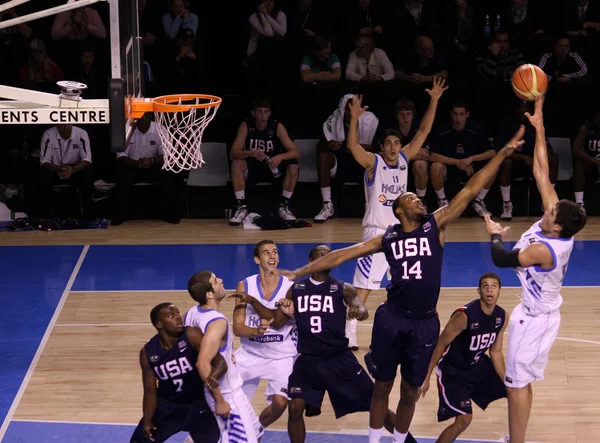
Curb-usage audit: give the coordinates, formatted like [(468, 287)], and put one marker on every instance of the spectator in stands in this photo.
[(13, 44), (364, 18), (322, 65), (89, 73), (424, 65), (65, 157), (185, 73), (78, 24), (269, 22), (527, 19), (368, 63), (408, 127), (305, 21), (263, 151), (458, 150), (40, 72), (586, 155), (150, 29), (582, 17), (562, 65), (179, 17), (520, 163), (459, 30), (413, 18), (142, 161), (499, 61), (334, 159)]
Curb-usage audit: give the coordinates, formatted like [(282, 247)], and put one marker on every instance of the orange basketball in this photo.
[(529, 82)]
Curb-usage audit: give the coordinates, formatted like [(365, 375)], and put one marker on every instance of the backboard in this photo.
[(127, 71)]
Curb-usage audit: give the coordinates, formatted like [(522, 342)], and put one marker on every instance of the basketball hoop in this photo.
[(181, 121)]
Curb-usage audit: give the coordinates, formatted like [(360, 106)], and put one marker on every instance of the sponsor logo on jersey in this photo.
[(508, 379), (284, 390), (382, 198), (271, 338), (532, 240), (299, 286), (333, 288), (154, 358), (295, 390), (498, 321), (465, 404), (402, 167), (474, 326), (152, 142)]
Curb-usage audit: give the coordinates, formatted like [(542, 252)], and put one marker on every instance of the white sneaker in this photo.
[(507, 209), (351, 334), (325, 214), (285, 213), (240, 215), (443, 202), (479, 207)]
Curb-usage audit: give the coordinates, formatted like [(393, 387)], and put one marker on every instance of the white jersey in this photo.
[(541, 287), (201, 318), (388, 182), (275, 343)]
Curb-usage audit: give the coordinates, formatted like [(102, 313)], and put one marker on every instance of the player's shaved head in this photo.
[(157, 310), (399, 202), (318, 251)]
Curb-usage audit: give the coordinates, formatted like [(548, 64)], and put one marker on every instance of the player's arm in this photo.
[(239, 319), (426, 124), (578, 152), (356, 308), (237, 148), (291, 150), (218, 364), (214, 336), (150, 393), (457, 324), (446, 215), (541, 169), (363, 157), (279, 318), (496, 351), (337, 257)]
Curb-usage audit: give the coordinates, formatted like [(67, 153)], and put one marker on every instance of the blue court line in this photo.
[(35, 432), (168, 267), (32, 281)]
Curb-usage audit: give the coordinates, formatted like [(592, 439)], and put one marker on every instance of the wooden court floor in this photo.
[(89, 371)]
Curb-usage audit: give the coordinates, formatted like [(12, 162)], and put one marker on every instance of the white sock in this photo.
[(375, 435), (441, 195), (421, 192), (326, 194), (240, 195), (352, 324), (579, 197), (287, 194), (398, 437), (505, 191), (482, 194)]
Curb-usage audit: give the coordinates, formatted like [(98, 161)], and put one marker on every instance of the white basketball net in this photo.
[(181, 134)]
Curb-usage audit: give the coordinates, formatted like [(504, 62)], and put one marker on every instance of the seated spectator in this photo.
[(497, 64), (408, 127), (413, 18), (322, 65), (142, 161), (424, 65), (527, 19), (459, 31), (561, 65), (179, 17), (304, 22), (263, 151), (586, 156), (581, 18), (78, 24), (40, 72), (65, 157), (368, 63), (268, 22), (13, 47), (334, 159), (89, 73), (520, 163), (459, 150), (363, 18), (185, 73)]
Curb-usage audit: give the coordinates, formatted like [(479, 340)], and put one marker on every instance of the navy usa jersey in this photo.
[(592, 143), (320, 313), (467, 348), (415, 260), (178, 379), (265, 140)]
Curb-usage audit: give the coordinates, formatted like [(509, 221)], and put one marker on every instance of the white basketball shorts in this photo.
[(370, 270), (253, 368), (530, 338), (242, 424)]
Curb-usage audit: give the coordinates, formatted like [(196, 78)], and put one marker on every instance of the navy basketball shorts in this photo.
[(349, 386), (457, 387), (408, 342), (169, 419), (259, 172)]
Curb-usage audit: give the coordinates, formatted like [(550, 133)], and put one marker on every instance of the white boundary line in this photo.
[(42, 345)]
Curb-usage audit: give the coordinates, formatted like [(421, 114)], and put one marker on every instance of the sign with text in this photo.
[(35, 116)]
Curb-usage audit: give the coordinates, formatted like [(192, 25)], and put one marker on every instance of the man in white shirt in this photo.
[(142, 161), (65, 157)]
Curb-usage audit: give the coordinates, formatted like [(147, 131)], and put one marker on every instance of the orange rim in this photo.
[(137, 107)]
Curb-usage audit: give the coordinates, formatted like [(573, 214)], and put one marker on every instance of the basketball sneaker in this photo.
[(284, 212), (479, 207), (240, 215), (507, 209), (325, 214), (351, 334)]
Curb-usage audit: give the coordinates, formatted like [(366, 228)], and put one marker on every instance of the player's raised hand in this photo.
[(493, 227), (264, 326), (537, 119), (423, 389), (438, 88), (516, 141), (148, 428), (287, 306), (356, 108)]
